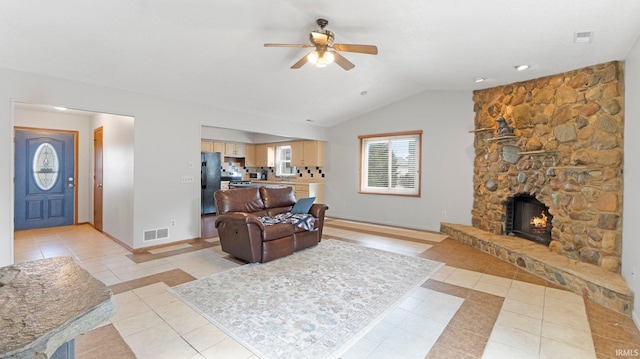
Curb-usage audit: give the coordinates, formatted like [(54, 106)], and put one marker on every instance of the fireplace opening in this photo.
[(528, 218)]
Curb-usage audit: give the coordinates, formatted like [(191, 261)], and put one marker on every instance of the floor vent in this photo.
[(153, 234)]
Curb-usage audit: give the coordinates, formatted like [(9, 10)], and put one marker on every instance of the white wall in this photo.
[(229, 135), (214, 133), (447, 162), (166, 140), (118, 174), (69, 122), (630, 224)]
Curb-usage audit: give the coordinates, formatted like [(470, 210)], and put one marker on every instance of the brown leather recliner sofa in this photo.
[(243, 235)]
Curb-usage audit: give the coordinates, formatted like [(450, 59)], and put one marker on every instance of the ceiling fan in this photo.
[(326, 51)]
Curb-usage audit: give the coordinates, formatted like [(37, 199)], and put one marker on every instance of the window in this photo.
[(283, 162), (45, 166), (390, 163)]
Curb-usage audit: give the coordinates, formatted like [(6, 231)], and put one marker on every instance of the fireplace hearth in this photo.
[(528, 218)]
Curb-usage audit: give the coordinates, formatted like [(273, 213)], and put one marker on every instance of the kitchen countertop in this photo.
[(284, 182), (254, 184)]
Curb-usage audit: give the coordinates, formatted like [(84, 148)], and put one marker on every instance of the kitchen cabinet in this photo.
[(206, 146), (229, 149), (218, 147), (265, 155), (307, 153), (304, 190), (301, 189), (232, 149), (250, 156)]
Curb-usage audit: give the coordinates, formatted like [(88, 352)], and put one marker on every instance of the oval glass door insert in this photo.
[(45, 166)]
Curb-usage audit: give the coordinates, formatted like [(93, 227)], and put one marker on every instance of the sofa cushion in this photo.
[(277, 197), (239, 200), (276, 231), (303, 205)]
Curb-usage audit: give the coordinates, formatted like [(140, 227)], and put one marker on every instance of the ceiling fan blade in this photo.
[(342, 61), (363, 49), (300, 62), (287, 45)]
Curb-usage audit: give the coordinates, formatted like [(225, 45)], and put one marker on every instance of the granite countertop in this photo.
[(46, 303)]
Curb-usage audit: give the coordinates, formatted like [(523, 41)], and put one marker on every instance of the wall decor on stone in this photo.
[(565, 149)]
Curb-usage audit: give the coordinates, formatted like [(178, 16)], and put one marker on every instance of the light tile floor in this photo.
[(474, 307)]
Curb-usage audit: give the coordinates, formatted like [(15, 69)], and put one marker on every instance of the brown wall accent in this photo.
[(566, 150)]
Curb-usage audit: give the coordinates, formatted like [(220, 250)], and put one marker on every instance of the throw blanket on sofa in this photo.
[(304, 221)]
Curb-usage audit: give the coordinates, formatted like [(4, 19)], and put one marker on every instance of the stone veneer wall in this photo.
[(567, 151)]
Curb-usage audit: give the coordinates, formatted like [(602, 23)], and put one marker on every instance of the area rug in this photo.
[(313, 304)]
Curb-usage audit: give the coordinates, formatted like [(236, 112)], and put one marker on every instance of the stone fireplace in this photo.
[(553, 147), (557, 140)]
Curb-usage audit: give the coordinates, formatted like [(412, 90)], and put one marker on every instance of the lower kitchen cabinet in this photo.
[(304, 190)]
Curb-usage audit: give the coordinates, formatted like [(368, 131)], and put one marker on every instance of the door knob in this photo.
[(100, 185)]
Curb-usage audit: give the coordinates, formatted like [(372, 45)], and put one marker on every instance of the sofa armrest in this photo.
[(241, 217), (317, 210), (240, 235)]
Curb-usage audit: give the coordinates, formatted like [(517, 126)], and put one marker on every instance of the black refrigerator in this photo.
[(210, 180)]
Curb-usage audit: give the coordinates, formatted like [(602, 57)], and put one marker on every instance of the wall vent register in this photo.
[(153, 234)]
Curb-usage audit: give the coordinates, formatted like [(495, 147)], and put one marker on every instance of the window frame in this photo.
[(278, 162), (389, 190)]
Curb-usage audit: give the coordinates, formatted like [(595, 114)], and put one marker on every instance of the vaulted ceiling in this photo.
[(211, 51)]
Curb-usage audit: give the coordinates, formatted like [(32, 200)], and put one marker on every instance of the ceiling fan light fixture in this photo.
[(326, 58), (320, 59), (326, 51), (313, 57)]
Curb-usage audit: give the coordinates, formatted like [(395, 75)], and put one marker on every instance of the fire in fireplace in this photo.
[(528, 218)]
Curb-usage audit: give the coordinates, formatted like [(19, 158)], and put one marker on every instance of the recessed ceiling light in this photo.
[(522, 67), (479, 79), (363, 93), (309, 120), (60, 108)]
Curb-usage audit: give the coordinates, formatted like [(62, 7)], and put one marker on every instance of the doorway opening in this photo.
[(114, 214)]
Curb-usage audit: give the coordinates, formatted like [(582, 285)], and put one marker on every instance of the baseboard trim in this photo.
[(144, 249), (124, 245)]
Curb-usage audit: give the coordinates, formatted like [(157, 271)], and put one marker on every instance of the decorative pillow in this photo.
[(303, 205)]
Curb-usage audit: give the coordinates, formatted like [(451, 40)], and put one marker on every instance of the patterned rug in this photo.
[(313, 304)]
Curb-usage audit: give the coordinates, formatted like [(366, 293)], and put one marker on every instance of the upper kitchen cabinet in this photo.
[(212, 146), (232, 149), (307, 154), (218, 147), (206, 146), (265, 156), (250, 156)]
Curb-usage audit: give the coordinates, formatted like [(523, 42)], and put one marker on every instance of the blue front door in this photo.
[(44, 179)]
